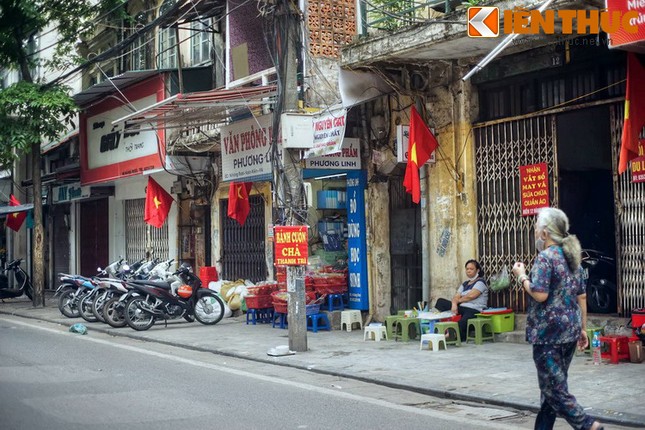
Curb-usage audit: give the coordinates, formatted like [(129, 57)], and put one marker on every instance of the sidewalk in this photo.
[(493, 373)]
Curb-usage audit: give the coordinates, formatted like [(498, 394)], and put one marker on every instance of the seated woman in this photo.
[(471, 297)]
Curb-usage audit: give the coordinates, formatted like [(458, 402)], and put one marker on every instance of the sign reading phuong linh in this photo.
[(349, 157), (534, 186), (246, 149), (291, 246)]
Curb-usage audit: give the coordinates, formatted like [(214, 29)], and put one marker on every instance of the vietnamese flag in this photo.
[(420, 147), (238, 201), (158, 203), (15, 220), (634, 111)]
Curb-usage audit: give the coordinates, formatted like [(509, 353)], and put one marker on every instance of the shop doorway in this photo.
[(94, 236), (585, 184), (405, 248)]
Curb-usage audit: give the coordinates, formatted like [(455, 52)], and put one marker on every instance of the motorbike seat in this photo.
[(159, 284)]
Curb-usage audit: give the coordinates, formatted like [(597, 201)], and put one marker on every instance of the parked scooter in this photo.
[(157, 300), (22, 283), (600, 273)]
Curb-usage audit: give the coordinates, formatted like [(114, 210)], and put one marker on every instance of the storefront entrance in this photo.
[(94, 236)]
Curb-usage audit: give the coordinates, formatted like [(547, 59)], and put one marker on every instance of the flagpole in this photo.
[(499, 48)]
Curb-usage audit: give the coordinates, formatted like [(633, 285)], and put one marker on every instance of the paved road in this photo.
[(52, 379)]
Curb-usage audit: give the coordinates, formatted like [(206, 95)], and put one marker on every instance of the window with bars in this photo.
[(200, 42)]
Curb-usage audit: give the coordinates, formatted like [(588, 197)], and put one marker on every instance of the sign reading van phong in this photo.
[(291, 246), (246, 149), (534, 186)]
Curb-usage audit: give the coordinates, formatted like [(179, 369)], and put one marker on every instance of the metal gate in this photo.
[(630, 223), (505, 236), (405, 248), (243, 252), (141, 238)]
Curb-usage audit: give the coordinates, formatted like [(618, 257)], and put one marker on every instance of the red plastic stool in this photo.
[(618, 348)]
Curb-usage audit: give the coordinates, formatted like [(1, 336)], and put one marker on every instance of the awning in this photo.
[(199, 108), (6, 210), (102, 89), (44, 149)]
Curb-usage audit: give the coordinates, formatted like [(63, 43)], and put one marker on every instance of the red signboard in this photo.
[(534, 184), (291, 247), (625, 33), (638, 164)]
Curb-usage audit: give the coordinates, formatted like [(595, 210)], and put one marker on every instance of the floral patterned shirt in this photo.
[(557, 320)]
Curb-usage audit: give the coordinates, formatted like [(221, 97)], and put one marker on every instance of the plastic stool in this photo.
[(261, 316), (427, 326), (445, 327), (434, 339), (389, 324), (335, 302), (618, 348), (479, 324), (349, 318), (376, 333), (314, 322), (402, 328), (280, 319)]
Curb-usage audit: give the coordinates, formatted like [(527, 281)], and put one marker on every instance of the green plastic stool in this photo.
[(389, 324), (402, 326), (478, 324), (445, 327)]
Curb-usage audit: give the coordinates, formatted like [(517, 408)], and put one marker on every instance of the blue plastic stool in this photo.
[(335, 302), (280, 319), (317, 322), (261, 316), (427, 326)]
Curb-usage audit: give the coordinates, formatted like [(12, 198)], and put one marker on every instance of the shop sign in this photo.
[(402, 145), (291, 245), (246, 149), (357, 240), (534, 185), (624, 34), (110, 146), (349, 157), (70, 192), (329, 131), (638, 164)]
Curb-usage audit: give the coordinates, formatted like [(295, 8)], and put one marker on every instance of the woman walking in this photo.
[(556, 318)]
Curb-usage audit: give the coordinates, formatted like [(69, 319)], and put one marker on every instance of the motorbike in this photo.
[(178, 297), (599, 270), (22, 282)]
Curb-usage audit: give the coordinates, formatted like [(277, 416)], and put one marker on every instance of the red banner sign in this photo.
[(624, 35), (638, 164), (534, 183), (291, 247)]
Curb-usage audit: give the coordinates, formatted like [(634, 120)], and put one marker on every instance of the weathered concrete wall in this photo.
[(451, 186), (378, 249), (321, 82)]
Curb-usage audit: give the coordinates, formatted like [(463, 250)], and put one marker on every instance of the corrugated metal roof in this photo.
[(107, 87)]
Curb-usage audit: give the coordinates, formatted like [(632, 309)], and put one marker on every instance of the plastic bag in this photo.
[(78, 328), (500, 280)]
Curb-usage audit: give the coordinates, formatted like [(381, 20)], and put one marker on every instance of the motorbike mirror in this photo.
[(98, 269)]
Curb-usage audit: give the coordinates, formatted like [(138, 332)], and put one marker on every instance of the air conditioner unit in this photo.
[(297, 130)]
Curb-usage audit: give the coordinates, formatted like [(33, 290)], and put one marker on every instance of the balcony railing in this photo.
[(395, 14)]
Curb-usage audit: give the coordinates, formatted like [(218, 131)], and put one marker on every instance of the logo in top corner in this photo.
[(483, 21)]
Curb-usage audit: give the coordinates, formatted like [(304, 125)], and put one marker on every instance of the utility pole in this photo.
[(292, 186)]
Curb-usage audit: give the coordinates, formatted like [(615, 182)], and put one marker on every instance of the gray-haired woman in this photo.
[(556, 318)]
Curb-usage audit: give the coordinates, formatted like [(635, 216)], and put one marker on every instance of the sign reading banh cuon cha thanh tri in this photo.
[(291, 246), (534, 186), (246, 149), (357, 240)]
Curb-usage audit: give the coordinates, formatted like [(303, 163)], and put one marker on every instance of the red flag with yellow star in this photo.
[(158, 203), (420, 147), (634, 111), (15, 220), (238, 201)]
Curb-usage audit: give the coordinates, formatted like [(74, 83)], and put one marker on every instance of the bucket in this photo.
[(636, 351), (208, 274)]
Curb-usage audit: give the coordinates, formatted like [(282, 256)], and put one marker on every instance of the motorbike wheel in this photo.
[(600, 298), (97, 306), (85, 308), (113, 313), (189, 317), (137, 317), (67, 304), (209, 309)]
